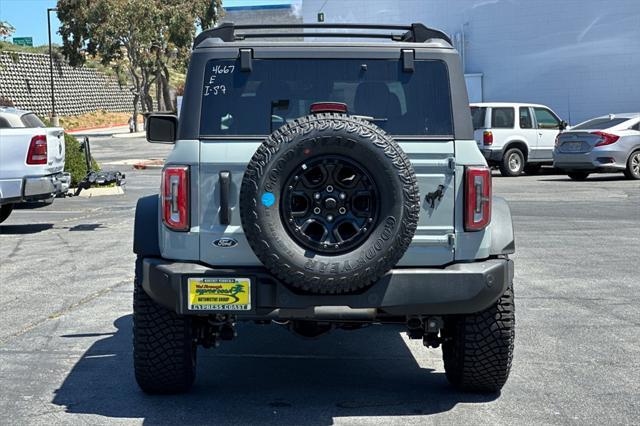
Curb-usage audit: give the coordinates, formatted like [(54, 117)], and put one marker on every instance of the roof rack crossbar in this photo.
[(397, 37), (415, 33)]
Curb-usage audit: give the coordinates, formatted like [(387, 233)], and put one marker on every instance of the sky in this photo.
[(29, 17)]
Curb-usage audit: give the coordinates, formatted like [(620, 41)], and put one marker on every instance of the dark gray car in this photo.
[(610, 143)]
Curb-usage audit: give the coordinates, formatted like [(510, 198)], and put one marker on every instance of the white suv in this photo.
[(516, 145)]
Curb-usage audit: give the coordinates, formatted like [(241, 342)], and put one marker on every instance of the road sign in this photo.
[(23, 41)]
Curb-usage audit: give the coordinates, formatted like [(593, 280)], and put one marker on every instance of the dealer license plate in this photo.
[(219, 294)]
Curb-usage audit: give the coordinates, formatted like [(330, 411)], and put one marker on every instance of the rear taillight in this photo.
[(477, 209), (328, 107), (487, 137), (37, 150), (606, 138), (175, 197)]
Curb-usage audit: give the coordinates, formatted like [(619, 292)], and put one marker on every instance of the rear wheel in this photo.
[(512, 163), (164, 348), (5, 211), (578, 175), (478, 348), (633, 166)]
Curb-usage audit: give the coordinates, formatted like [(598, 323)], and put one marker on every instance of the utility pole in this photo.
[(54, 116)]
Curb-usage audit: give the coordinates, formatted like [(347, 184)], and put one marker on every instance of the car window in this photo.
[(4, 123), (599, 123), (525, 118), (637, 126), (502, 118), (31, 120), (546, 119), (478, 115), (235, 102)]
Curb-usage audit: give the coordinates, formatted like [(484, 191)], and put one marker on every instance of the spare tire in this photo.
[(329, 203)]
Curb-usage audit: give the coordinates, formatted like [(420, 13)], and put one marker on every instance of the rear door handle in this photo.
[(224, 180)]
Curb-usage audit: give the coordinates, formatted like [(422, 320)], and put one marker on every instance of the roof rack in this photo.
[(414, 33)]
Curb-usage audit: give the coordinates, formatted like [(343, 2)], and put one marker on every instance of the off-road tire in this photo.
[(5, 211), (578, 175), (633, 166), (511, 157), (164, 351), (478, 348), (316, 136)]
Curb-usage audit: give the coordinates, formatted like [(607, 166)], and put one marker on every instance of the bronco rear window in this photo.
[(278, 91)]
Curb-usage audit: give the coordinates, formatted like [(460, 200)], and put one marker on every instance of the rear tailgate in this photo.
[(55, 149), (14, 149), (432, 244)]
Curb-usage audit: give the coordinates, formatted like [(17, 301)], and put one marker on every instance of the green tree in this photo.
[(140, 36)]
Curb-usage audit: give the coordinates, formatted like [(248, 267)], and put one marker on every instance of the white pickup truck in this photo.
[(31, 160)]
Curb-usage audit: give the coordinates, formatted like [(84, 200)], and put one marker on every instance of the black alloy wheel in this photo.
[(330, 204)]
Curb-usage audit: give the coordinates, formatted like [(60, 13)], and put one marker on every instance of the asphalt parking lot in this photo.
[(66, 275)]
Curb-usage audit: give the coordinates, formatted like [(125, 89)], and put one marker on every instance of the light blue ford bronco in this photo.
[(325, 179)]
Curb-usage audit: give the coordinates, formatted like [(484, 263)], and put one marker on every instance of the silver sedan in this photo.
[(610, 143)]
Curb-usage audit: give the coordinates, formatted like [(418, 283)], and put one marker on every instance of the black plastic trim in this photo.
[(224, 180), (145, 228), (408, 60), (246, 60), (456, 289), (414, 33)]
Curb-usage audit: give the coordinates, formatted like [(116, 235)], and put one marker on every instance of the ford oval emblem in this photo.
[(225, 242)]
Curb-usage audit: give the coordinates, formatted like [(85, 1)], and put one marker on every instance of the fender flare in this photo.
[(510, 143), (145, 228), (502, 238)]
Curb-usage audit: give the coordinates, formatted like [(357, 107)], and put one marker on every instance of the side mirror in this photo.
[(563, 125), (162, 128)]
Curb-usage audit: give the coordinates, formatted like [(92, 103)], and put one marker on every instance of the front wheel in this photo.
[(5, 211), (578, 175), (478, 348), (512, 163), (633, 166), (164, 348)]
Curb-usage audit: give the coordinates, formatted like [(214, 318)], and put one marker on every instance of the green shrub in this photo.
[(74, 162)]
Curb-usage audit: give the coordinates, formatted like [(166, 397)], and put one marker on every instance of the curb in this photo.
[(84, 129), (149, 164)]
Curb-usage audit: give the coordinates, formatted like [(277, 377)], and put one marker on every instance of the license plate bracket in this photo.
[(229, 294)]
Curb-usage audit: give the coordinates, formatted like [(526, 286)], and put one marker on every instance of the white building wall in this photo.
[(580, 57)]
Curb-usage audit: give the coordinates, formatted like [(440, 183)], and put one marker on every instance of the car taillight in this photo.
[(487, 137), (557, 144), (477, 198), (175, 197), (606, 138), (37, 153)]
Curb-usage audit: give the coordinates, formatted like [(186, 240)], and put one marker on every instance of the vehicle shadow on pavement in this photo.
[(594, 178), (267, 376), (32, 228)]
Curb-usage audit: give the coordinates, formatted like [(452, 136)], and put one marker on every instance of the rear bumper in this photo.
[(45, 186), (492, 155), (456, 289), (595, 160), (33, 188)]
